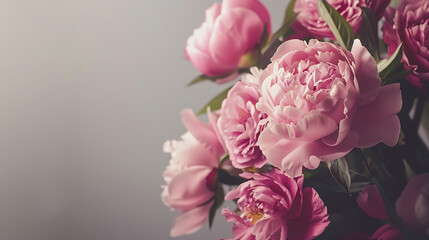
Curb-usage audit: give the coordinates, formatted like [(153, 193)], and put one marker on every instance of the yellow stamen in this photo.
[(254, 215), (251, 169)]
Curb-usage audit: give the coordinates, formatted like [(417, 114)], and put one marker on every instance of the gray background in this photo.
[(89, 91)]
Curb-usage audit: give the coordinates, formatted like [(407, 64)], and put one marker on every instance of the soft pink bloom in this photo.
[(274, 206), (371, 202), (410, 24), (413, 204), (387, 232), (309, 20), (231, 30), (239, 123), (187, 184), (321, 102)]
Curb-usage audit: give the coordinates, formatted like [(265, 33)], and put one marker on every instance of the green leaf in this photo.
[(219, 198), (340, 171), (388, 66), (341, 29), (199, 79), (289, 11), (396, 77), (216, 102), (369, 32), (264, 36)]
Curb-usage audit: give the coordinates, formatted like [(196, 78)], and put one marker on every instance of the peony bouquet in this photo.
[(318, 136)]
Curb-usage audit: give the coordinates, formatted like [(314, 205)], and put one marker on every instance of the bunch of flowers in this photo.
[(318, 135)]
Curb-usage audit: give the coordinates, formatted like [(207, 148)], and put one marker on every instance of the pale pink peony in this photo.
[(239, 122), (387, 232), (309, 20), (371, 202), (231, 30), (413, 204), (409, 24), (321, 102), (187, 184), (274, 206)]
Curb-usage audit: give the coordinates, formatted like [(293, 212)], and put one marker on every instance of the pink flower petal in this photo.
[(190, 221), (370, 201)]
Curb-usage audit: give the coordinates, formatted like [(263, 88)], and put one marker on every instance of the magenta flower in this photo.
[(274, 206), (378, 7), (371, 202), (230, 31), (413, 204), (187, 183), (409, 24), (240, 123), (322, 101)]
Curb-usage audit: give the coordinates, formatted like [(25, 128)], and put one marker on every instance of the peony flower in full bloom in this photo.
[(275, 206), (413, 204), (371, 202), (231, 30), (409, 24), (309, 20), (322, 101), (240, 122), (188, 185)]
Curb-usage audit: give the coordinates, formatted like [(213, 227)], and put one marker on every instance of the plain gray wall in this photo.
[(89, 91)]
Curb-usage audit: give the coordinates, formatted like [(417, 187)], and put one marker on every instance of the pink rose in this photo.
[(230, 31), (239, 123), (371, 202), (410, 24), (187, 176), (321, 102), (413, 204), (387, 232), (309, 20), (274, 206)]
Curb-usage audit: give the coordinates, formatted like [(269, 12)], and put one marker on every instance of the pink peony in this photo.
[(309, 20), (321, 102), (239, 123), (274, 206), (387, 232), (230, 31), (371, 202), (410, 24), (187, 184), (413, 204)]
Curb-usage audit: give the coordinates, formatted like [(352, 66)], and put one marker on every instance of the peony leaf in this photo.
[(216, 102), (368, 33), (219, 197), (389, 66), (201, 78), (341, 29), (340, 171), (289, 11)]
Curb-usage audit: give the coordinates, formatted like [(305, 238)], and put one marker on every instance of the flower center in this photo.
[(254, 215)]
